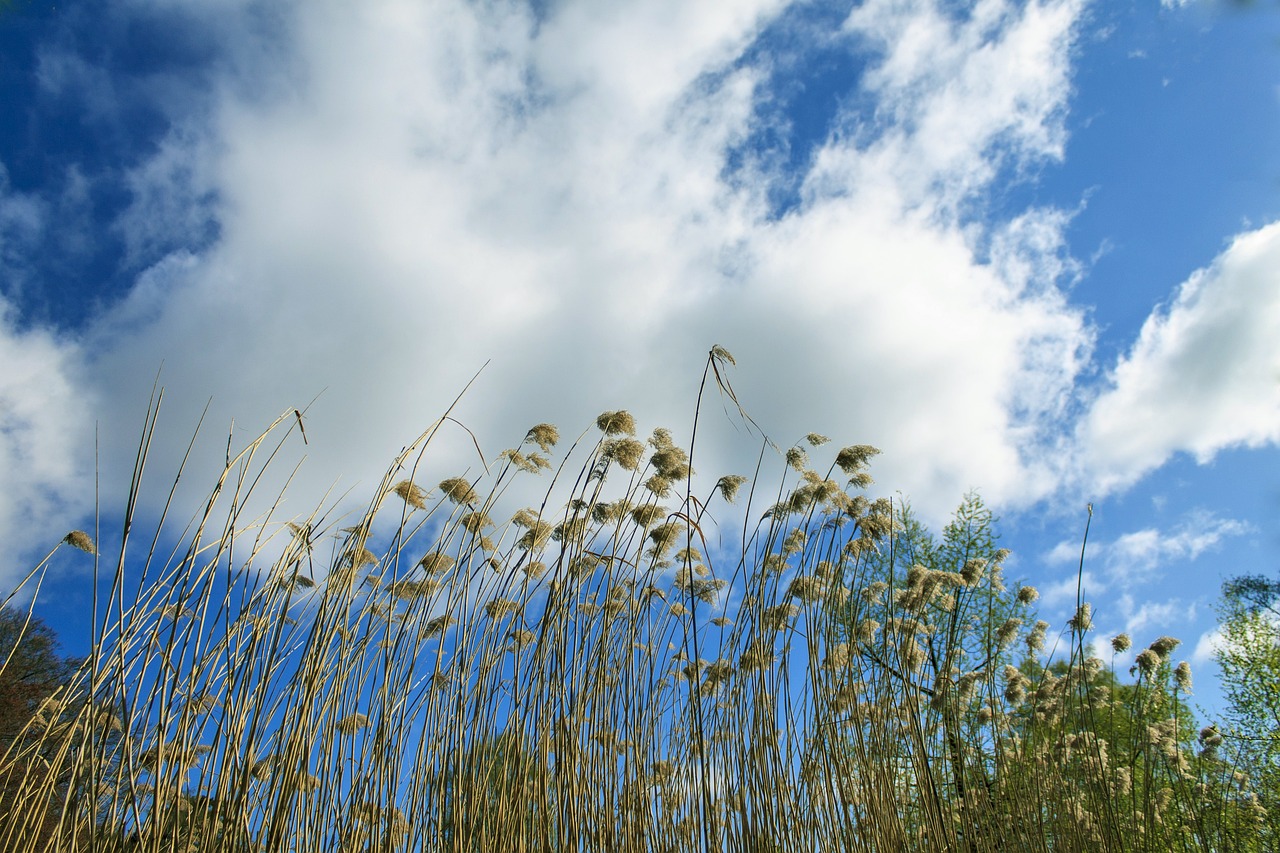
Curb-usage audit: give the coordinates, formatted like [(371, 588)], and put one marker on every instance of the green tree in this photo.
[(1249, 660), (932, 624)]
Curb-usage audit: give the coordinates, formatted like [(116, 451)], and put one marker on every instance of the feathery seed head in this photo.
[(1083, 620), (973, 571), (500, 607), (1121, 643), (543, 435), (795, 541), (458, 490), (80, 539), (1035, 637), (661, 438), (570, 530), (351, 724), (912, 654), (475, 522), (648, 514), (411, 494), (729, 485), (665, 536), (1006, 632), (616, 423), (1027, 594), (173, 612), (437, 626), (627, 452), (1147, 662), (1163, 646), (802, 499), (1182, 677), (797, 458), (659, 485), (837, 656), (535, 536), (816, 439), (874, 593), (773, 564), (916, 576), (861, 480), (807, 588), (775, 618), (526, 518), (851, 459), (690, 555), (719, 353), (531, 463), (671, 462), (436, 563), (758, 655)]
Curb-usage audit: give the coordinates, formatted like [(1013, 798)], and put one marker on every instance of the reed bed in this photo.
[(623, 665)]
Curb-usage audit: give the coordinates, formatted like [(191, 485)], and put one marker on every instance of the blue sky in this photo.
[(1030, 248)]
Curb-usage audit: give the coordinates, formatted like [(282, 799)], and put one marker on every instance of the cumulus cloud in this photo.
[(1204, 374), (402, 193)]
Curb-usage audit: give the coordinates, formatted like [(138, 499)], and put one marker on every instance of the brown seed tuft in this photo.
[(1164, 646), (411, 494), (436, 563), (627, 452), (543, 435), (616, 423), (729, 485), (458, 490), (80, 539), (851, 459)]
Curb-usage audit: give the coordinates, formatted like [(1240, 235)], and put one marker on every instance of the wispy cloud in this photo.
[(1125, 563)]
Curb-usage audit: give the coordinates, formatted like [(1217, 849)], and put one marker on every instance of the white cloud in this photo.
[(1204, 374), (1124, 564), (1062, 592), (406, 191), (45, 440), (1208, 646), (1141, 619)]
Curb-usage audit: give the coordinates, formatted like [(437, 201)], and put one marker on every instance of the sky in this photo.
[(1028, 248)]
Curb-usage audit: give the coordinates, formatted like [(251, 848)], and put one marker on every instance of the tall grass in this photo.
[(610, 668)]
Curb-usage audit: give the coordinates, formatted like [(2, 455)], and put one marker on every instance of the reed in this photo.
[(610, 668)]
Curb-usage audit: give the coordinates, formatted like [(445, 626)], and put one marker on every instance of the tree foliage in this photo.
[(32, 673), (1249, 659)]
